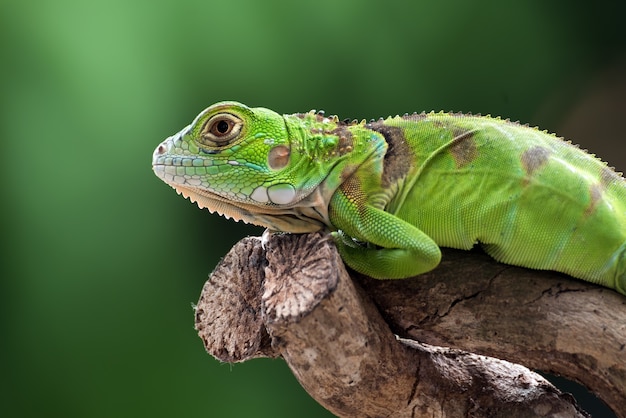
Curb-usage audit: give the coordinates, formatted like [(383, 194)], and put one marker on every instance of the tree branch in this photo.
[(544, 320), (297, 301)]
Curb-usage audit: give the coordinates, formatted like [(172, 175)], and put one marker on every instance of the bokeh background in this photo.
[(100, 260)]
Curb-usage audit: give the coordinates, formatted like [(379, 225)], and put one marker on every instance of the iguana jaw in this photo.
[(212, 202), (294, 220)]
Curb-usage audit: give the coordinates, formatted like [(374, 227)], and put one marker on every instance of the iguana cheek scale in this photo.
[(393, 191)]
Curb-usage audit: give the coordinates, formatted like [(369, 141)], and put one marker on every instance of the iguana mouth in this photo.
[(204, 199)]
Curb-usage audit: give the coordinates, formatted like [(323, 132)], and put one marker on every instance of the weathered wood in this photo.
[(544, 320), (301, 304), (228, 314)]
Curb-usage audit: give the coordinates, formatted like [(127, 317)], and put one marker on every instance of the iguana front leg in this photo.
[(403, 250)]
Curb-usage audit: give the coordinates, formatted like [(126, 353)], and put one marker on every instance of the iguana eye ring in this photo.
[(221, 129)]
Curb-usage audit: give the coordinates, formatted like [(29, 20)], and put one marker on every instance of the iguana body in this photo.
[(394, 190)]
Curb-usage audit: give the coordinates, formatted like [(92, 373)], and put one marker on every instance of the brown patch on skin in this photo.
[(319, 116), (346, 143), (353, 192), (398, 159), (278, 157), (347, 172), (608, 176), (463, 148), (596, 191), (595, 195), (534, 158)]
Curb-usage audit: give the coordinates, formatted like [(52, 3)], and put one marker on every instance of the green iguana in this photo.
[(393, 190)]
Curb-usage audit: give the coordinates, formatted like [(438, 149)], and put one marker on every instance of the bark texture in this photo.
[(423, 347)]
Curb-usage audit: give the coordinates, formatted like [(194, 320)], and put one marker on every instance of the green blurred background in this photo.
[(101, 260)]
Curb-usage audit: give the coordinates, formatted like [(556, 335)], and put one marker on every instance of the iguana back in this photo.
[(528, 197)]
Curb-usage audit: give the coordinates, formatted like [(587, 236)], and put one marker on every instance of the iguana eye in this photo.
[(221, 129)]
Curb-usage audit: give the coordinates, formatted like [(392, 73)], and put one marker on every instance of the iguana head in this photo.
[(255, 165)]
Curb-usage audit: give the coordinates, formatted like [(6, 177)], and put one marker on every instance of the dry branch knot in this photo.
[(286, 299)]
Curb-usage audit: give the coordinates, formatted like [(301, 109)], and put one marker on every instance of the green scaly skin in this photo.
[(393, 191)]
